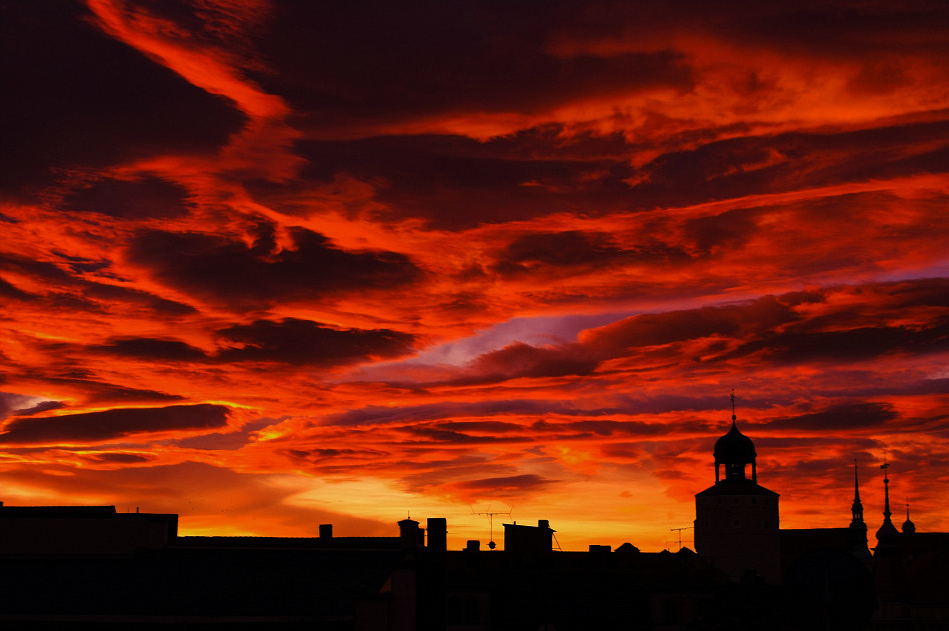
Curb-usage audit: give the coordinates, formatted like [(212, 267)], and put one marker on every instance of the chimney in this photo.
[(437, 534), (326, 531), (472, 554)]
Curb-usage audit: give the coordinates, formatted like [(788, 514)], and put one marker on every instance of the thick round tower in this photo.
[(736, 520)]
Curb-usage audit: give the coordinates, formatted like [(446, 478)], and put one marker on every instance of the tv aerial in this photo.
[(679, 530), (490, 515)]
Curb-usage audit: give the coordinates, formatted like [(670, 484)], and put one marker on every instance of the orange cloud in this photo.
[(264, 258)]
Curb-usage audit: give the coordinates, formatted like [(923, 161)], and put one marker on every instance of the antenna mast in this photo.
[(679, 530), (490, 515)]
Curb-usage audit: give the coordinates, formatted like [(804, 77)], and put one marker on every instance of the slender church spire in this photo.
[(857, 539), (857, 508), (887, 534)]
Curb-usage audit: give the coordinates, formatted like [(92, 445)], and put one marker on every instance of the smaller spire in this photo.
[(732, 395), (908, 526)]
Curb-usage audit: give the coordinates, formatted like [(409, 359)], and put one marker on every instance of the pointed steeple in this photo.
[(887, 534), (857, 536), (856, 508)]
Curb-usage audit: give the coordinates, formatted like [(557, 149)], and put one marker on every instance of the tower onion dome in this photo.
[(735, 447), (735, 450), (887, 532), (908, 526)]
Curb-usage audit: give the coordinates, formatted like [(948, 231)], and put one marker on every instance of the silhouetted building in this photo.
[(887, 534), (411, 535), (828, 578), (827, 574), (332, 582), (911, 573), (82, 530), (529, 540), (908, 527), (736, 519), (61, 566), (857, 540)]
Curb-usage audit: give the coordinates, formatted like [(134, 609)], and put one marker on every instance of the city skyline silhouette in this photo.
[(745, 572)]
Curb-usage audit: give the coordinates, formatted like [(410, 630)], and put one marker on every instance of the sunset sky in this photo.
[(269, 265)]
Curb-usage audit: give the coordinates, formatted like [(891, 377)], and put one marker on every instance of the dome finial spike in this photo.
[(886, 488), (732, 396), (856, 482), (908, 526)]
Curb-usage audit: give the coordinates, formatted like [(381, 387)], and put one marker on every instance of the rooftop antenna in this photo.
[(490, 515), (679, 530)]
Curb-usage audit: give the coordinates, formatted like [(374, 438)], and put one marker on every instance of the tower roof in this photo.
[(734, 447), (857, 507), (887, 532), (908, 526)]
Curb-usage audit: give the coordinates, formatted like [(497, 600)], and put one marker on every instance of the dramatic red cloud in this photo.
[(275, 264)]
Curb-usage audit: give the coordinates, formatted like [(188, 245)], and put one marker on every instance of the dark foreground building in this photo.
[(67, 565), (64, 566), (736, 519), (827, 577)]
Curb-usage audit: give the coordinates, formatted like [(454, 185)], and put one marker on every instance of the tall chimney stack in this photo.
[(437, 534)]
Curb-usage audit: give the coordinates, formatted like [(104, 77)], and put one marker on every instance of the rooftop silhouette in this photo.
[(92, 564)]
